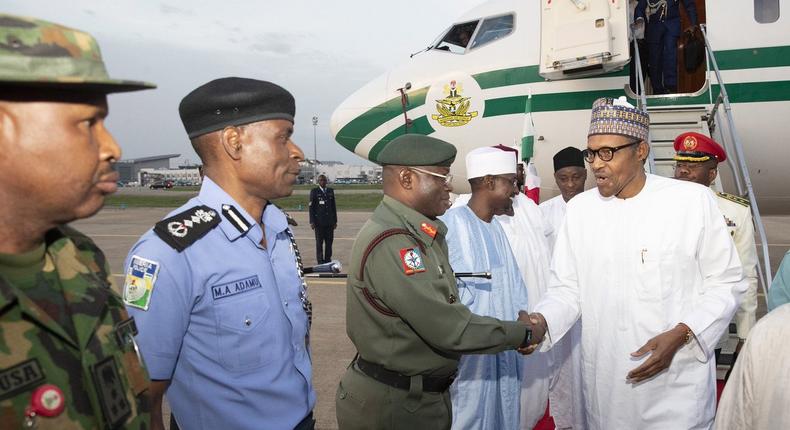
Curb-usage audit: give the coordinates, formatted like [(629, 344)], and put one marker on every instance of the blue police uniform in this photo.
[(225, 318), (661, 34)]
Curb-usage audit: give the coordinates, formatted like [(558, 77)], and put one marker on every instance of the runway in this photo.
[(116, 230)]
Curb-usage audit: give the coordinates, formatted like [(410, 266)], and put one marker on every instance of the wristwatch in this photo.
[(527, 338)]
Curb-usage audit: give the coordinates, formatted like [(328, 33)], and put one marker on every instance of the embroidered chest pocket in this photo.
[(244, 341)]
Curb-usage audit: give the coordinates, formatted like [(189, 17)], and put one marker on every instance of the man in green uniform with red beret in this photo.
[(68, 357), (403, 313)]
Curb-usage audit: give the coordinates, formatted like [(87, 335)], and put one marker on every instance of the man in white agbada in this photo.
[(528, 236), (648, 265), (756, 395), (566, 395), (486, 391)]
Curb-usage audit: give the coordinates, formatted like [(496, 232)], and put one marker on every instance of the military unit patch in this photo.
[(139, 284), (412, 261), (181, 230)]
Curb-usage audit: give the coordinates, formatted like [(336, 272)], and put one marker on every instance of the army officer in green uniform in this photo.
[(403, 313), (68, 358)]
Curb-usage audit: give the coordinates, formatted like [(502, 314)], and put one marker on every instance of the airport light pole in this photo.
[(315, 157)]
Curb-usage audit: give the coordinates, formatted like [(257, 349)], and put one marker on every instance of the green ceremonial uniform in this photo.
[(88, 353), (403, 314)]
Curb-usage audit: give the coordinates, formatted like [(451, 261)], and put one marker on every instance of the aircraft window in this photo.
[(493, 29), (457, 38), (766, 11)]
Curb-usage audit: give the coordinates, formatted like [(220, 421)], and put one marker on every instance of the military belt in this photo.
[(431, 384)]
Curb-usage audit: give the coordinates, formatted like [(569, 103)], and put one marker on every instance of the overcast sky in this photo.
[(319, 50)]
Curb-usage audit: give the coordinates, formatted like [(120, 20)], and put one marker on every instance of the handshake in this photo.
[(537, 328)]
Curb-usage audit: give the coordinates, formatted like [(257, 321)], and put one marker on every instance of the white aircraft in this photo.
[(470, 85)]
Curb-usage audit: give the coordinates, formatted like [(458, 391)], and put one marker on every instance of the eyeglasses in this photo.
[(447, 178), (513, 182), (606, 153)]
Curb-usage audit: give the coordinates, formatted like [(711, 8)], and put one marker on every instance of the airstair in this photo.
[(715, 120)]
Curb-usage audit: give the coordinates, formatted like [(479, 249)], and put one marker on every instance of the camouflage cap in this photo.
[(36, 53)]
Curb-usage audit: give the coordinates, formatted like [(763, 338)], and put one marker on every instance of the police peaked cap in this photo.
[(417, 150), (233, 101)]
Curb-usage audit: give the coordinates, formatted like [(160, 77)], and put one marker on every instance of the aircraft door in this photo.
[(583, 37)]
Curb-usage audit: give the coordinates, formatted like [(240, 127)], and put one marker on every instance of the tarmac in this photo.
[(116, 230)]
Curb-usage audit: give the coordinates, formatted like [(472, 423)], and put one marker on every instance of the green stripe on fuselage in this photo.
[(361, 126), (734, 59), (420, 125), (778, 56), (749, 92)]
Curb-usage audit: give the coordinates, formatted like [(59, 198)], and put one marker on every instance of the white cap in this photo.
[(489, 161)]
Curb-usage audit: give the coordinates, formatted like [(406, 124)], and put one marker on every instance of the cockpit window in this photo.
[(493, 29), (457, 38)]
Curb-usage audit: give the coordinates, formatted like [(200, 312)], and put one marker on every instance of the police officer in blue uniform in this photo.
[(661, 34), (323, 219), (216, 287)]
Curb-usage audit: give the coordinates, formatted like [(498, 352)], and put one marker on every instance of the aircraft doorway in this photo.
[(689, 65)]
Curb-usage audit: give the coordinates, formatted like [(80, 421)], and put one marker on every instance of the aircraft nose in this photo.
[(358, 114)]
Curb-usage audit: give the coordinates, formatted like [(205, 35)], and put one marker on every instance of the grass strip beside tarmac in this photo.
[(345, 202)]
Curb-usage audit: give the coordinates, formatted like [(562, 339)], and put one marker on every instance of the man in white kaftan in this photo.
[(528, 234), (648, 265), (566, 395), (756, 396), (486, 391)]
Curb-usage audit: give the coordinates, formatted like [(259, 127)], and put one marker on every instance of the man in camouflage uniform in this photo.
[(68, 357), (403, 313)]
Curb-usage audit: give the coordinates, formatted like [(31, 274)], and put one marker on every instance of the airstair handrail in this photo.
[(758, 222), (642, 100)]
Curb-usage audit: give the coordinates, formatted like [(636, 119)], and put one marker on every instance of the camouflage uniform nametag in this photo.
[(139, 284), (20, 377), (412, 261)]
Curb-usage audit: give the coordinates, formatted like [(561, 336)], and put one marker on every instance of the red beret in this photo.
[(693, 146)]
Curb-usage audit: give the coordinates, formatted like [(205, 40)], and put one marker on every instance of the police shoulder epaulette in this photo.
[(183, 229), (734, 198)]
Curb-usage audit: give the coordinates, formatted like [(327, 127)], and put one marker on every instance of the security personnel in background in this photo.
[(323, 219), (696, 160), (67, 352), (403, 313), (661, 34), (216, 287)]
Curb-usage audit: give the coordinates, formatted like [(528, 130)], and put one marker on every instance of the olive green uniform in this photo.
[(412, 324), (63, 325)]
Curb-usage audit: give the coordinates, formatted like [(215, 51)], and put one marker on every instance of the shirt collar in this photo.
[(419, 224), (214, 196)]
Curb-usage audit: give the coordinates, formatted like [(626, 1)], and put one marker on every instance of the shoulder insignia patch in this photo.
[(734, 198), (428, 229), (139, 283), (412, 261), (182, 230)]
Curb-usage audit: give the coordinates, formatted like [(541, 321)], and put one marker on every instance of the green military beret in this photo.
[(417, 150), (36, 53)]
